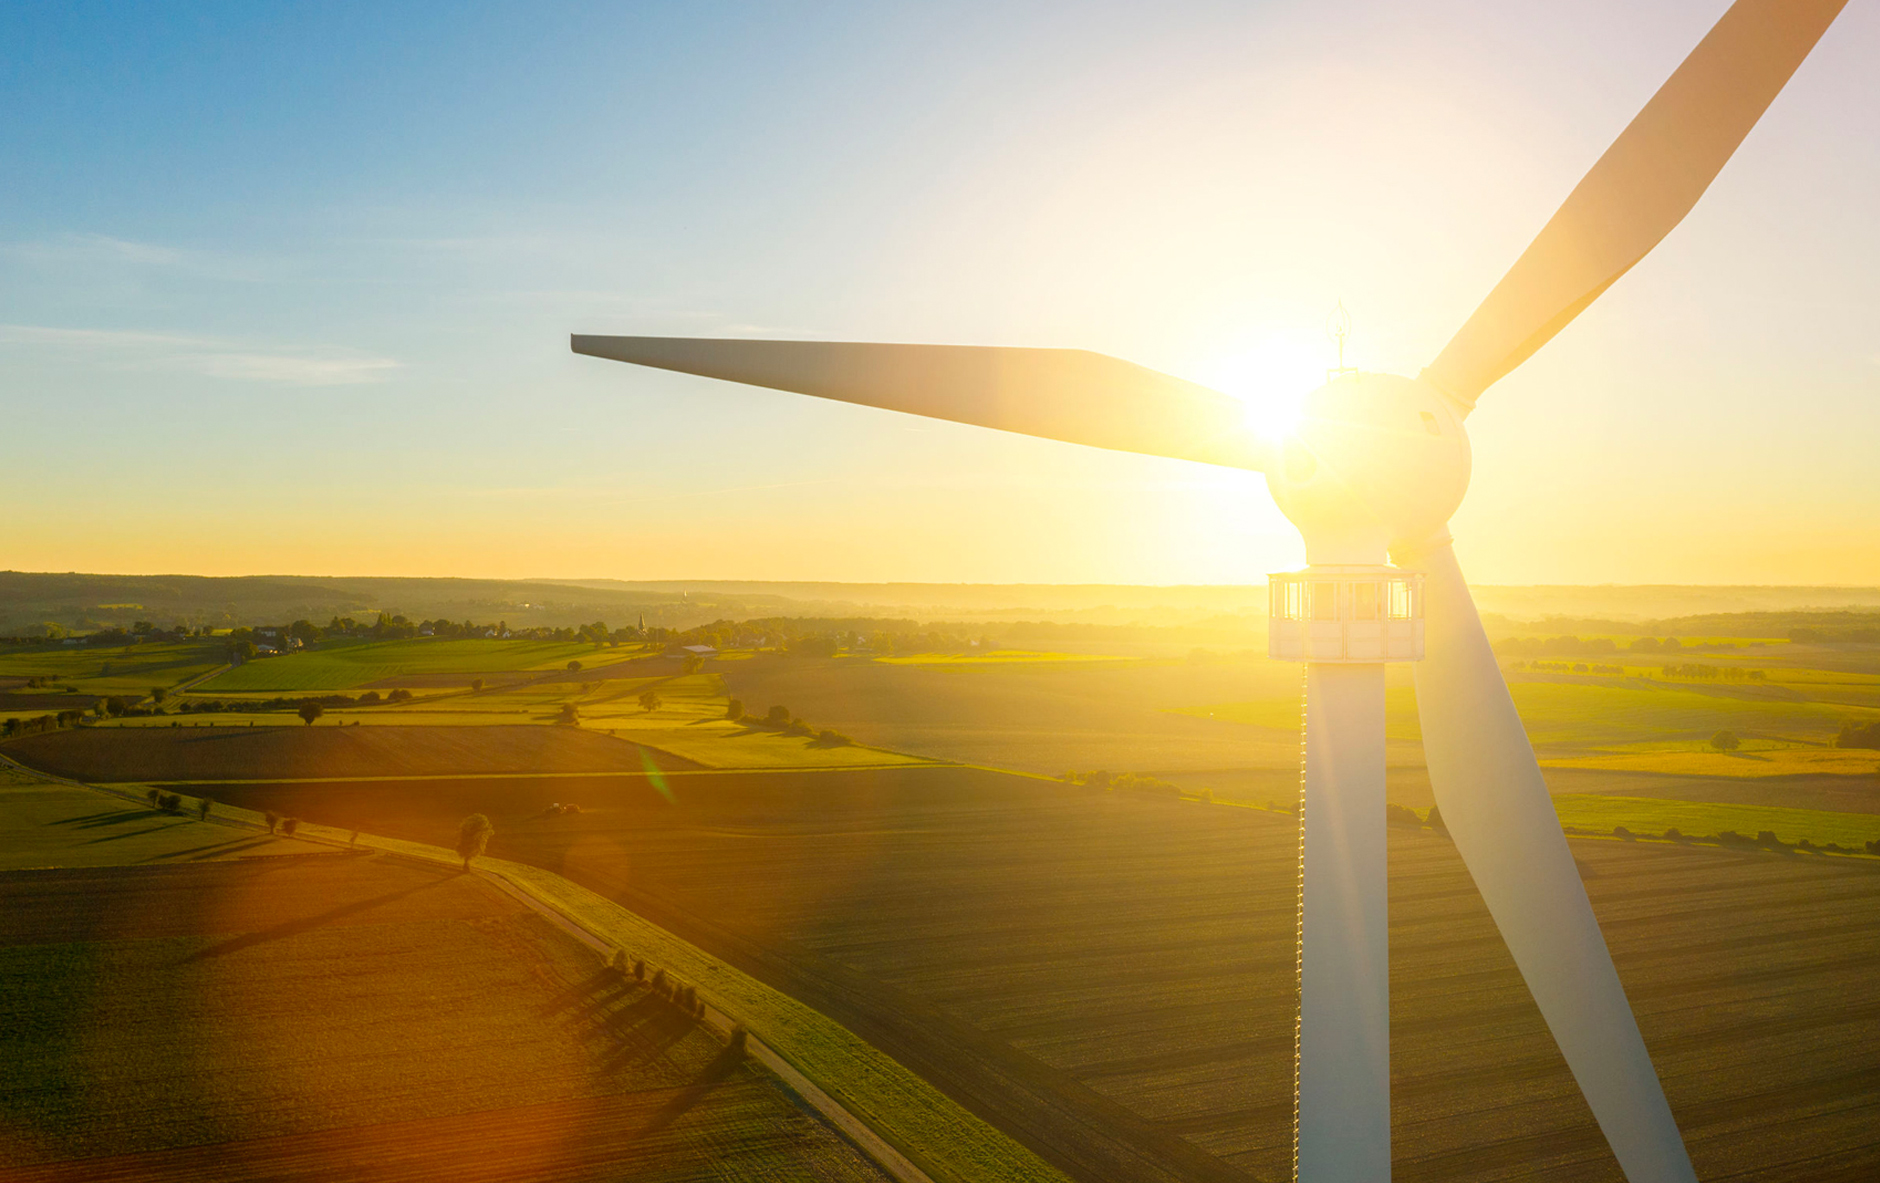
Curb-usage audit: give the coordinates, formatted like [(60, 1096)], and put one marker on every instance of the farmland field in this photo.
[(1043, 718), (145, 755), (1109, 978), (1752, 763), (48, 825), (1561, 715), (349, 1017), (344, 665), (106, 670), (1653, 816)]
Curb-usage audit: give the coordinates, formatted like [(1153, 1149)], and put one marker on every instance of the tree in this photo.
[(476, 683), (574, 667), (734, 710), (289, 825), (694, 663), (473, 837), (1434, 820), (203, 805), (649, 700), (272, 818), (778, 716), (158, 694), (243, 650), (569, 717), (1725, 741), (309, 711)]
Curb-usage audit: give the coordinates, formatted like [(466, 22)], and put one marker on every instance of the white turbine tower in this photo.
[(1374, 472)]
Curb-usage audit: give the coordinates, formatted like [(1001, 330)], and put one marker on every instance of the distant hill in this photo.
[(85, 602)]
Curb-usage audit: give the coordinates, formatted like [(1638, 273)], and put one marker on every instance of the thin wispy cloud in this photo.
[(210, 357), (98, 255)]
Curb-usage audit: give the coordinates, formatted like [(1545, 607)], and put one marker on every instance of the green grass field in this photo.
[(1653, 816), (129, 670), (51, 825), (348, 665), (1563, 715)]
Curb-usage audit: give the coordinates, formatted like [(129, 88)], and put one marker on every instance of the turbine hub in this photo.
[(1377, 461)]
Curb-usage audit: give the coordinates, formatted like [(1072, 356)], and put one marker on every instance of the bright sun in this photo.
[(1272, 376)]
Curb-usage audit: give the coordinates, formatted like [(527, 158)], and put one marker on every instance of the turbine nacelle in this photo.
[(1377, 461)]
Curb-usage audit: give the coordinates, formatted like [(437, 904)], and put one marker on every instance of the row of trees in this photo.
[(779, 718), (1858, 735), (393, 626), (1818, 636), (1713, 673), (14, 726), (1127, 782), (1578, 667), (1589, 646)]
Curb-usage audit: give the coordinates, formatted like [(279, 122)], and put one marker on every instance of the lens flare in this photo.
[(1272, 377)]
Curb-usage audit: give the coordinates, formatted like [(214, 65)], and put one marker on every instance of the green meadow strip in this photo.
[(1651, 816)]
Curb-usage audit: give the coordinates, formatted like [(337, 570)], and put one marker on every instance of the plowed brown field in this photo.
[(1109, 978), (339, 1017)]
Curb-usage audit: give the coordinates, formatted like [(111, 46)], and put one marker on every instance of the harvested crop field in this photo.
[(1839, 794), (145, 755), (1109, 978), (1041, 718), (342, 1017)]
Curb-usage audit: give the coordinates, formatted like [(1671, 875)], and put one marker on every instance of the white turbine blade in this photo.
[(1642, 187), (1343, 1082), (1497, 809), (1059, 394)]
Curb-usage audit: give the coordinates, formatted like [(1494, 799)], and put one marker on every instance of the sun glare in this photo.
[(1272, 377)]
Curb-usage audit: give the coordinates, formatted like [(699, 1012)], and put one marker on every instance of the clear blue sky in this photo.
[(287, 287)]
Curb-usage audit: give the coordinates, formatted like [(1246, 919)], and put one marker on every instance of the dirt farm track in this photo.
[(1109, 977)]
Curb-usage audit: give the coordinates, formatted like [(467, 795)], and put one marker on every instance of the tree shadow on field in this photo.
[(115, 817), (213, 849), (722, 1065), (637, 1033), (296, 927), (136, 833), (586, 996), (239, 846)]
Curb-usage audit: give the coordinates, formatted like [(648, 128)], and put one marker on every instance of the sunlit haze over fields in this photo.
[(290, 288)]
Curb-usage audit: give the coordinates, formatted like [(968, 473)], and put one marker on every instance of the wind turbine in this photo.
[(1374, 472)]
